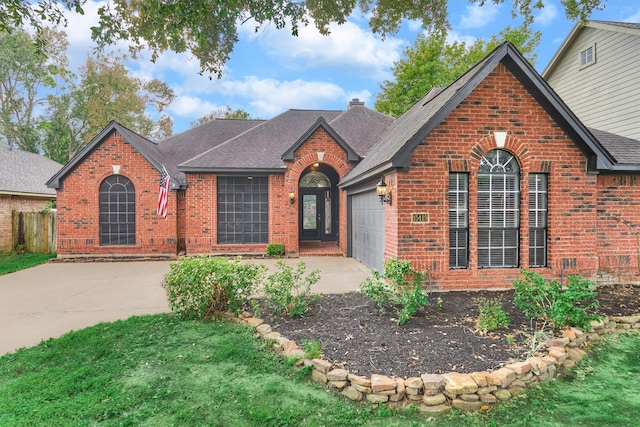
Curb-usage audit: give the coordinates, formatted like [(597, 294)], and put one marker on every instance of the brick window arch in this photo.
[(117, 211), (498, 210)]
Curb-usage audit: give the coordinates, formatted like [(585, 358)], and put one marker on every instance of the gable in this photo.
[(142, 145), (321, 123), (595, 72), (395, 147)]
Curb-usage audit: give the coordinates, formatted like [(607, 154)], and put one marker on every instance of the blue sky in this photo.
[(272, 71)]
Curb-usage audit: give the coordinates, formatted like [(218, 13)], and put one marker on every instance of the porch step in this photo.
[(319, 249)]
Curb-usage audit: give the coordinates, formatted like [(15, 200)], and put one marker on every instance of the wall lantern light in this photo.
[(383, 193), (292, 196)]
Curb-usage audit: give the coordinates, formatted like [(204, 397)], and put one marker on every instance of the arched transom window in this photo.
[(498, 210), (117, 211), (315, 179)]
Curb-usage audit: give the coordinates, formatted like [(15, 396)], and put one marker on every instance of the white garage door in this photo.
[(367, 229)]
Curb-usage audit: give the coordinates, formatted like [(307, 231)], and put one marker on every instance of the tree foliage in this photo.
[(208, 29), (221, 113), (25, 72), (433, 62), (46, 109), (111, 94)]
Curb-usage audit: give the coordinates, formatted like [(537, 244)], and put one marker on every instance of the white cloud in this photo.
[(547, 14), (478, 16), (348, 47), (268, 97), (633, 18), (79, 34), (453, 36), (414, 25), (191, 107)]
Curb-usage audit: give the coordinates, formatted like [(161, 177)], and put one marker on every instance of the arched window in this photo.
[(117, 211), (498, 210), (315, 179)]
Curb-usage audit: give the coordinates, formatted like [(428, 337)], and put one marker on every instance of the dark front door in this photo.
[(317, 214)]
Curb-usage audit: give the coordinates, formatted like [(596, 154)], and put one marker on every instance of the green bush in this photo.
[(200, 287), (275, 249), (287, 291), (491, 316), (545, 300), (312, 349), (400, 285)]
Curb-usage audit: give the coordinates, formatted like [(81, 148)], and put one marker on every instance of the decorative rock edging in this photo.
[(439, 393)]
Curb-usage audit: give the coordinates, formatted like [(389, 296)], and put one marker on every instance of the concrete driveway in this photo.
[(50, 300)]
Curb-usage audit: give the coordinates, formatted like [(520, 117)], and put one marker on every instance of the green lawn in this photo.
[(157, 371), (10, 261)]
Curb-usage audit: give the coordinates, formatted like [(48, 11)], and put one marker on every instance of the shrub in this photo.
[(545, 300), (200, 287), (491, 316), (275, 249), (287, 291), (312, 349), (400, 285)]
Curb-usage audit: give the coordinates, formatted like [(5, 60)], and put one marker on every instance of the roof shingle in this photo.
[(25, 172)]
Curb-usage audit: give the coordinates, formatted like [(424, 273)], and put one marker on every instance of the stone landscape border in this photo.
[(439, 393)]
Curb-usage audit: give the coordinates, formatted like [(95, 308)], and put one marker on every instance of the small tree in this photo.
[(400, 285), (545, 300)]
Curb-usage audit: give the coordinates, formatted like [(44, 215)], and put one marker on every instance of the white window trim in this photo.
[(593, 56)]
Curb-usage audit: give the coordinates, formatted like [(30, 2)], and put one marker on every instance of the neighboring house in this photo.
[(489, 175), (23, 178), (595, 72)]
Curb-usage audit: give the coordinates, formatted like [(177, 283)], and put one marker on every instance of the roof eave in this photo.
[(28, 194), (234, 171), (370, 173)]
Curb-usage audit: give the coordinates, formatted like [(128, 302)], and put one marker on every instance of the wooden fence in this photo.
[(35, 231)]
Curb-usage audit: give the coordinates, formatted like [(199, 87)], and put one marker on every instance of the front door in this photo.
[(317, 214)]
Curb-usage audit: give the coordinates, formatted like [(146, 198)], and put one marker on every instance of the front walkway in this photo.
[(51, 299)]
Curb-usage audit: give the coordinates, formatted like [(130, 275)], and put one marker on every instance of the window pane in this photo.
[(117, 211), (498, 210), (538, 220), (458, 220), (243, 210)]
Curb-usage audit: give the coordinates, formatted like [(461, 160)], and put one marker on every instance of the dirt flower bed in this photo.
[(442, 338)]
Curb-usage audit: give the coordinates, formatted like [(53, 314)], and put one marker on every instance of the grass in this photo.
[(11, 261), (156, 370)]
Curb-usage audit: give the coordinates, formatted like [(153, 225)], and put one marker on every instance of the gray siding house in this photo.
[(595, 72)]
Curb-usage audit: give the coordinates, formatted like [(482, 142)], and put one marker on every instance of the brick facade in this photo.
[(201, 201), (78, 207), (618, 227), (593, 219), (583, 233)]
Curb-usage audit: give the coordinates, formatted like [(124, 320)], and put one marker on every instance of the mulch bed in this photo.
[(356, 336)]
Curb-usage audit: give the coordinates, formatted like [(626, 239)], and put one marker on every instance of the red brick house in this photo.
[(489, 175)]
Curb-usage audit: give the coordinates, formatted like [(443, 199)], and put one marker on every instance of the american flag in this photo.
[(163, 194)]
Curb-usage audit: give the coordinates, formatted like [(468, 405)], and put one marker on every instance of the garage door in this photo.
[(367, 229)]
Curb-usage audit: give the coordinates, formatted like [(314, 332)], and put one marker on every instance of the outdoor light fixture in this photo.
[(292, 196), (381, 190)]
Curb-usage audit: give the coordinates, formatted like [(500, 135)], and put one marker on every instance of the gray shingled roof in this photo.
[(361, 127), (395, 146), (25, 172), (408, 125), (193, 142), (625, 150), (632, 25), (261, 147)]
